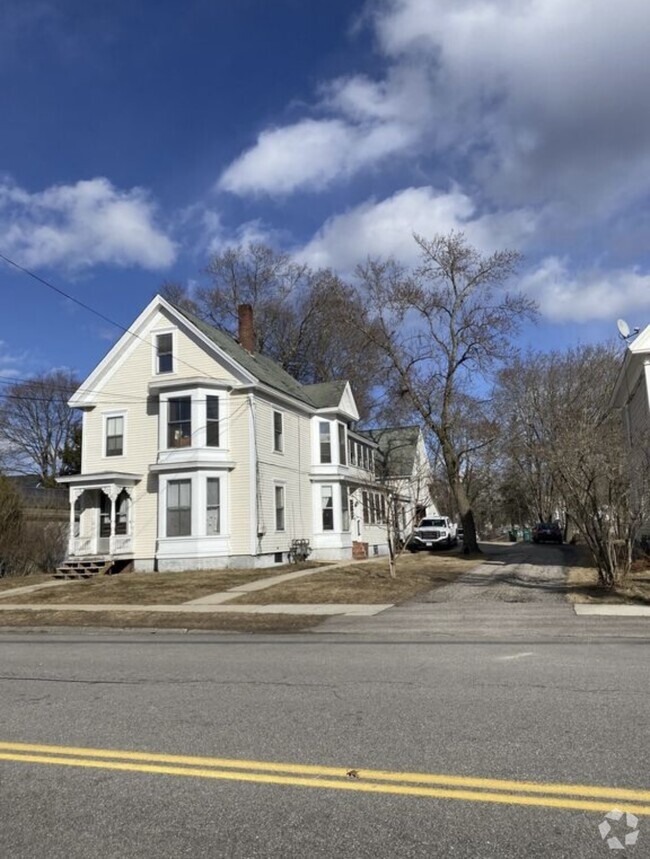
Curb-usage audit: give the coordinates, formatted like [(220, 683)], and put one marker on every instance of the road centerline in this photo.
[(466, 788)]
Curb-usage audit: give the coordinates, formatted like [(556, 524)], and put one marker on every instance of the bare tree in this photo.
[(310, 322), (36, 424), (11, 527), (560, 401), (444, 328)]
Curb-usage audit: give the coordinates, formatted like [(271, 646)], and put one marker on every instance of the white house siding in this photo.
[(289, 469), (126, 391)]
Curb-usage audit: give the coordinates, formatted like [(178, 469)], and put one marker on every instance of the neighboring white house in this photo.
[(632, 395), (198, 453)]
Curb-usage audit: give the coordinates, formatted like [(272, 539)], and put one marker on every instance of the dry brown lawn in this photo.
[(583, 581), (151, 588), (152, 620), (368, 583)]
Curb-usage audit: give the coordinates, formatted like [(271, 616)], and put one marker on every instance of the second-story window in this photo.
[(342, 445), (353, 452), (212, 421), (325, 437), (179, 422), (164, 353), (115, 436), (278, 432)]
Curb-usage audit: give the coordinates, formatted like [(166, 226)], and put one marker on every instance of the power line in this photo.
[(90, 309)]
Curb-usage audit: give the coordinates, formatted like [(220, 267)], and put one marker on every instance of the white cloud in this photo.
[(310, 155), (81, 225), (10, 363), (588, 295), (386, 228), (540, 100)]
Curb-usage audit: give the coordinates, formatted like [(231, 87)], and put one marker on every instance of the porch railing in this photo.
[(117, 545)]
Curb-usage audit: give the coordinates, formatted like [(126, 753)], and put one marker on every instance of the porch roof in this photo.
[(101, 478)]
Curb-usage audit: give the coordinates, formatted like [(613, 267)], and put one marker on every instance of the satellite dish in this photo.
[(623, 328)]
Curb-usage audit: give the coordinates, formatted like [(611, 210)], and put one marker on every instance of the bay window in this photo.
[(179, 422), (212, 421), (325, 436), (213, 507), (179, 508), (327, 508)]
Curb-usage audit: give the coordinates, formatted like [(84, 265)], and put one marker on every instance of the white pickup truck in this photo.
[(433, 532)]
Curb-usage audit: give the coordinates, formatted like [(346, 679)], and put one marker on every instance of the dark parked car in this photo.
[(547, 532)]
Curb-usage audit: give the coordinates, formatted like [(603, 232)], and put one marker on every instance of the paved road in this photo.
[(508, 705), (518, 594)]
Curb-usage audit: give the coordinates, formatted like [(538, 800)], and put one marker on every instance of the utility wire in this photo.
[(90, 309)]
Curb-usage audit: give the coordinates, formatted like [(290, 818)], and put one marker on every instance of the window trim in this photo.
[(173, 399), (190, 483), (154, 349), (329, 486), (276, 448), (283, 488), (105, 418), (208, 507), (322, 424)]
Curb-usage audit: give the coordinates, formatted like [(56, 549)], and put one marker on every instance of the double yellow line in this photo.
[(468, 789)]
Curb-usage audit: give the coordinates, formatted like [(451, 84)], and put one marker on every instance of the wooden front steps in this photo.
[(84, 568)]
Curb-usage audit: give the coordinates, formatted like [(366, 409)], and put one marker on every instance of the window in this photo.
[(325, 441), (179, 508), (212, 421), (179, 423), (122, 513), (164, 353), (213, 507), (366, 514), (342, 446), (279, 508), (278, 432), (345, 508), (373, 499), (76, 528), (115, 436), (353, 452), (327, 508), (383, 509)]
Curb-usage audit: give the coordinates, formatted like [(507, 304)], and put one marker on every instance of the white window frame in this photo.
[(172, 480), (154, 350), (219, 480), (105, 417), (329, 486), (281, 414), (283, 486)]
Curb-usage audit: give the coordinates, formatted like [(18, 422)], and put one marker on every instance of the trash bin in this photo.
[(528, 535), (512, 536)]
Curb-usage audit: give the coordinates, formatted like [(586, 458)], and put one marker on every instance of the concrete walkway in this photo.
[(347, 609), (30, 589), (612, 610)]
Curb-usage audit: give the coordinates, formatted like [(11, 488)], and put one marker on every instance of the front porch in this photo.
[(101, 514)]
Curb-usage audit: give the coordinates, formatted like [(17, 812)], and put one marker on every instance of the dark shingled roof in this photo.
[(263, 368), (397, 448), (326, 394)]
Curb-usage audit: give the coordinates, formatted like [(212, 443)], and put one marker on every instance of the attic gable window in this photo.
[(164, 353)]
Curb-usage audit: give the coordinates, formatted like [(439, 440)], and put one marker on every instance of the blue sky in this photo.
[(138, 138)]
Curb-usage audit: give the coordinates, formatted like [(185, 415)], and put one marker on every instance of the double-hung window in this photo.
[(212, 421), (327, 508), (278, 432), (342, 445), (179, 508), (179, 422), (115, 435), (325, 438), (279, 508), (345, 508), (164, 353), (213, 507)]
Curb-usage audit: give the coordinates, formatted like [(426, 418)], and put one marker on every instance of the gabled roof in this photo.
[(397, 448), (263, 368), (631, 367), (326, 395)]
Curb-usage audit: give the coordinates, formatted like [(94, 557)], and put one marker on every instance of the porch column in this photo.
[(74, 495), (111, 493)]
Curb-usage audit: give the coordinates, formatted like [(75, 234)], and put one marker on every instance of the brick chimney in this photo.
[(246, 328)]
